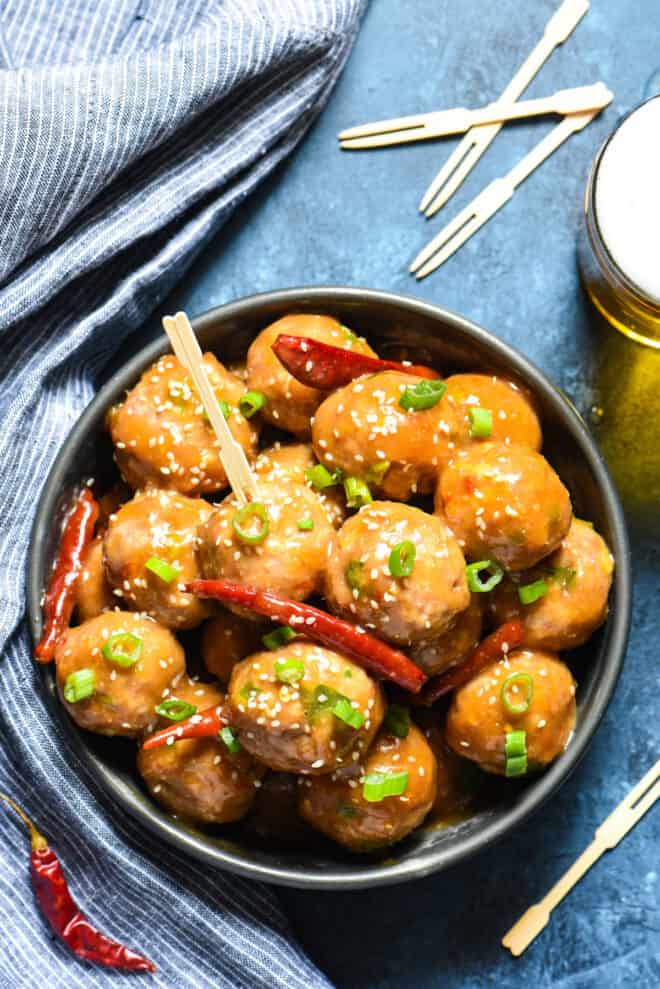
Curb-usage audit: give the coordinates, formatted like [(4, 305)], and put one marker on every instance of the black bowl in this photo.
[(428, 333)]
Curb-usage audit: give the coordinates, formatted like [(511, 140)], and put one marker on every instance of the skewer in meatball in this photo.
[(398, 570), (150, 552), (163, 437), (93, 592), (290, 405), (504, 503), (114, 669), (200, 779), (508, 408), (304, 709), (293, 462), (391, 796), (453, 646), (226, 639), (529, 695)]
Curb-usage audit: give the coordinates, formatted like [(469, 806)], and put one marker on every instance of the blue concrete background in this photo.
[(352, 219)]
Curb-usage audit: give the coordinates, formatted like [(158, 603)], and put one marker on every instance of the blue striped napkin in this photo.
[(129, 131)]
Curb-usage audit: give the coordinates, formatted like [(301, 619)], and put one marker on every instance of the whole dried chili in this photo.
[(59, 909), (59, 598), (204, 724), (493, 647), (322, 366), (375, 656)]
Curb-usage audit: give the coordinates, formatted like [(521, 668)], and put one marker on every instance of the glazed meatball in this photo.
[(437, 654), (226, 639), (288, 560), (150, 552), (200, 779), (117, 696), (460, 783), (479, 719), (577, 578), (304, 709), (504, 503), (384, 539), (289, 462), (363, 430), (93, 592), (513, 417), (337, 805), (162, 435), (289, 404), (274, 814)]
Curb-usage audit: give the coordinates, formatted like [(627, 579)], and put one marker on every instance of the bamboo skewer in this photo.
[(478, 139), (187, 350), (640, 799)]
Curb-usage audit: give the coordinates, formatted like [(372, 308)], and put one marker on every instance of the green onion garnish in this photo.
[(175, 710), (278, 637), (305, 525), (515, 748), (357, 492), (251, 402), (473, 573), (229, 738), (249, 691), (481, 422), (353, 574), (565, 575), (123, 648), (377, 786), (511, 682), (165, 571), (320, 477), (344, 710), (256, 509), (350, 336), (78, 686), (225, 407), (397, 720), (424, 395), (289, 670), (528, 593), (402, 559), (376, 472)]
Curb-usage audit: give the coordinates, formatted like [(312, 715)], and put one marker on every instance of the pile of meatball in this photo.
[(463, 481)]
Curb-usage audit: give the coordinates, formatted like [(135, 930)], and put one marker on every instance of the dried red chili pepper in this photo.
[(59, 909), (322, 366), (204, 724), (489, 650), (375, 656), (59, 598)]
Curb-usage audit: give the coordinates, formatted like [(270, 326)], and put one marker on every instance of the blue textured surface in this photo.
[(351, 219)]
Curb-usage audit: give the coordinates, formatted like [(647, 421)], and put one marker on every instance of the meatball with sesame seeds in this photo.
[(364, 430), (113, 669), (226, 639), (279, 543), (504, 503), (93, 592), (292, 462), (150, 552), (434, 655), (530, 695), (289, 404), (385, 800), (200, 779), (512, 416), (398, 571), (162, 435), (303, 708)]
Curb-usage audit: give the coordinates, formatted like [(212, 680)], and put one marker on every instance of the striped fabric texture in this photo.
[(129, 131)]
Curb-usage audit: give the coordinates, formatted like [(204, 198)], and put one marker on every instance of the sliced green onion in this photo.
[(305, 525), (123, 648), (227, 736), (249, 691), (225, 407), (402, 559), (397, 720), (251, 402), (528, 593), (377, 786), (289, 670), (319, 700), (515, 749), (162, 569), (424, 395), (256, 509), (345, 711), (353, 574), (278, 637), (357, 492), (565, 575), (320, 477), (78, 686), (376, 472), (527, 683), (175, 710), (481, 422), (473, 573), (350, 336)]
